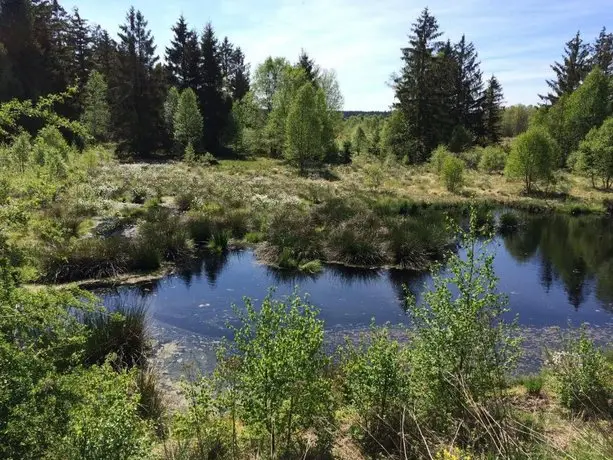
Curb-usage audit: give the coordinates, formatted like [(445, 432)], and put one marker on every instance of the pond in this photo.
[(556, 270)]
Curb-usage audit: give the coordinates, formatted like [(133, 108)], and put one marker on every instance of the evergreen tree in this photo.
[(492, 111), (416, 87), (138, 104), (239, 81), (21, 56), (96, 114), (602, 55), (187, 120), (311, 70), (226, 50), (213, 105), (569, 73), (80, 44), (468, 88), (183, 57), (304, 129), (104, 54)]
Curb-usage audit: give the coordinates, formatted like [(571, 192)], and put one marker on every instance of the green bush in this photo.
[(120, 331), (534, 385), (438, 158), (219, 241), (582, 375), (472, 157), (280, 378), (493, 159), (462, 348), (357, 241), (452, 173)]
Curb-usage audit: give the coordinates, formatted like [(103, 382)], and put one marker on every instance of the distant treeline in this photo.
[(366, 113)]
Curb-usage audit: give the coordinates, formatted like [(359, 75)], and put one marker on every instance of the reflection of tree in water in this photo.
[(294, 277), (348, 276), (189, 271), (407, 282), (572, 250), (214, 263)]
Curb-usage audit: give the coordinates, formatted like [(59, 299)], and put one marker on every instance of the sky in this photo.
[(517, 40)]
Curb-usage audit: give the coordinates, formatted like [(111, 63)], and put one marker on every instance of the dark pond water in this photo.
[(555, 270)]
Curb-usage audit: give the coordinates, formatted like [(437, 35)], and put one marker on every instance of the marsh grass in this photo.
[(121, 332)]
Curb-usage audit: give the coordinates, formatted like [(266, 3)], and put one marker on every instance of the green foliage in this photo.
[(595, 155), (280, 378), (461, 139), (304, 128), (394, 135), (437, 159), (452, 173), (374, 175), (462, 347), (104, 424), (575, 114), (219, 241), (188, 122), (583, 376), (359, 140), (493, 159), (532, 158), (376, 379), (122, 331), (516, 119), (534, 384), (96, 112), (21, 151), (190, 154), (170, 108)]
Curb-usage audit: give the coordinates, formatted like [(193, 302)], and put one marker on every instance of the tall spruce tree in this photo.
[(226, 49), (96, 114), (239, 80), (570, 72), (416, 87), (467, 94), (492, 111), (602, 55), (213, 105), (137, 105), (80, 45), (104, 54), (311, 69), (183, 57), (21, 57)]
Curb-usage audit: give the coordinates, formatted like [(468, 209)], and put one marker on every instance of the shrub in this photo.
[(508, 223), (189, 156), (493, 159), (292, 231), (312, 267), (452, 173), (532, 157), (121, 331), (166, 233), (356, 241), (184, 201), (461, 139), (534, 385), (254, 237), (280, 379), (374, 175), (375, 376), (583, 377), (472, 157), (438, 158), (462, 348), (219, 241)]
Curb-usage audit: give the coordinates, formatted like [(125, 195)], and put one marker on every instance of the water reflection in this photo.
[(576, 252)]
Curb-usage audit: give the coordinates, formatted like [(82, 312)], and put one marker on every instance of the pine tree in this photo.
[(416, 87), (492, 111), (104, 54), (602, 55), (569, 73), (80, 45), (304, 129), (138, 105), (226, 49), (239, 80), (187, 119), (21, 57), (213, 105), (96, 114), (308, 65), (467, 95), (183, 56)]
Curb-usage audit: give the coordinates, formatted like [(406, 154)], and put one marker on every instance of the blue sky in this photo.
[(517, 40)]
